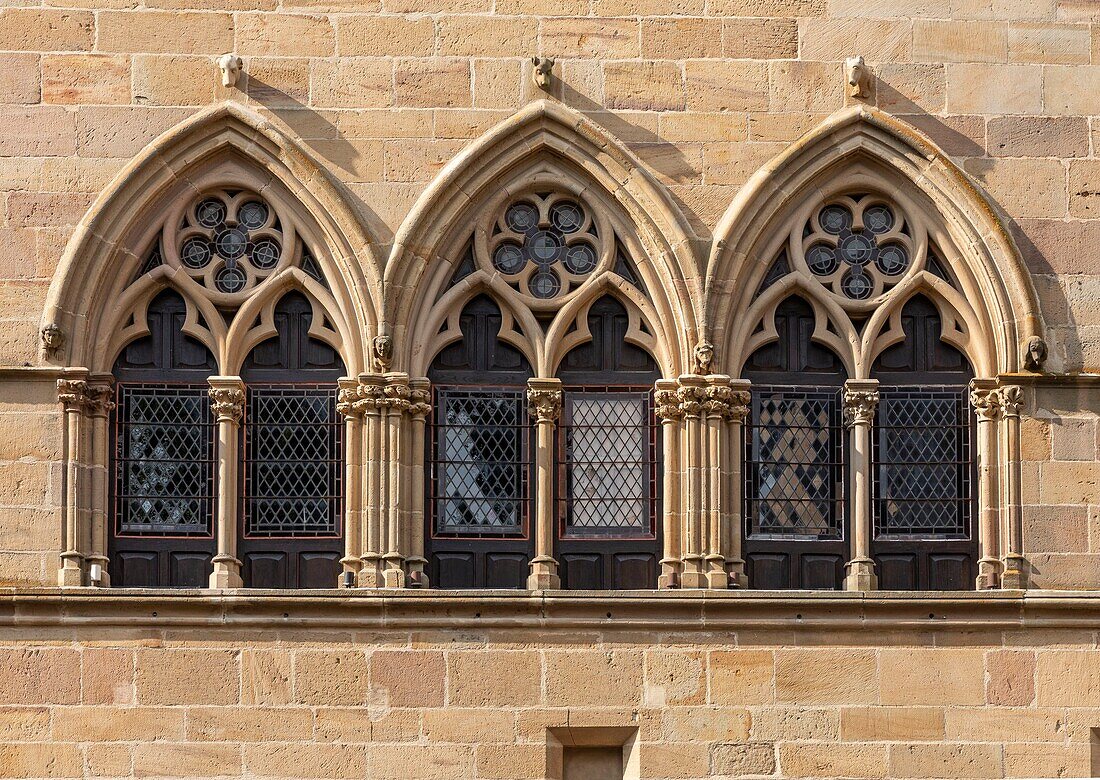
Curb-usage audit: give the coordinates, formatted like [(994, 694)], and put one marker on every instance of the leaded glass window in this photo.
[(164, 476), (609, 445), (293, 467), (794, 463), (480, 461), (922, 462)]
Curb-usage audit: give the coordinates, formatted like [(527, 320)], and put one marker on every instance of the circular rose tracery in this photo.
[(857, 246), (544, 245), (230, 240)]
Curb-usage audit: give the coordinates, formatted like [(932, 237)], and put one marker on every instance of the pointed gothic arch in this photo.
[(862, 148), (551, 144), (110, 244)]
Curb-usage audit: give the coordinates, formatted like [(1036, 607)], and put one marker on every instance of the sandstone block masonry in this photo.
[(384, 93)]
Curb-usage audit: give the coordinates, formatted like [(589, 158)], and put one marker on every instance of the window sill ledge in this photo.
[(549, 611)]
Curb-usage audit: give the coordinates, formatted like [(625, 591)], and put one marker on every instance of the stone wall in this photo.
[(970, 690), (704, 92)]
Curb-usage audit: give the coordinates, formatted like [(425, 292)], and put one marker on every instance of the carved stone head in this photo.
[(704, 356), (53, 339), (1035, 355), (383, 350), (543, 66), (855, 70), (230, 65)]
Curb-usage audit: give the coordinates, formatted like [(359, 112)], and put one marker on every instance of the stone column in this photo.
[(692, 396), (371, 402), (1014, 566), (667, 410), (738, 412), (716, 515), (544, 400), (101, 400), (985, 398), (860, 402), (227, 400), (72, 394), (347, 405), (420, 405), (397, 405)]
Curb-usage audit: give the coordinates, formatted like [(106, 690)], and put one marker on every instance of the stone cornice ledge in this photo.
[(548, 611)]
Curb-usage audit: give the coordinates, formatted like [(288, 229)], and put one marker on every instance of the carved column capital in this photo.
[(666, 401), (101, 400), (860, 402), (227, 398), (738, 410), (544, 404), (986, 400), (420, 398), (1012, 398), (395, 392), (346, 398), (72, 394), (692, 395)]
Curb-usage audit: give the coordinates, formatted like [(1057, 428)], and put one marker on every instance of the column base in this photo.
[(694, 576), (669, 577), (717, 579), (1015, 576), (348, 564), (104, 576), (989, 574), (735, 571), (393, 573), (370, 571), (71, 573), (416, 576), (544, 574), (861, 575), (227, 573)]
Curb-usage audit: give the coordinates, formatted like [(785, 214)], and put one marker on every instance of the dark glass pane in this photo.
[(164, 476), (610, 463), (922, 462), (479, 479), (794, 463), (293, 467)]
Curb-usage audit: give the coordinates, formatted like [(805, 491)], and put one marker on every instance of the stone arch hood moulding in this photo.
[(546, 130), (81, 285), (860, 131)]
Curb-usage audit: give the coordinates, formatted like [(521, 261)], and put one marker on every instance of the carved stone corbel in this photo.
[(542, 73), (231, 67), (856, 75), (52, 340)]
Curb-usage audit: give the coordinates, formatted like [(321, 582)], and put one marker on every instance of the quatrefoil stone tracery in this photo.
[(544, 245), (857, 246), (229, 241)]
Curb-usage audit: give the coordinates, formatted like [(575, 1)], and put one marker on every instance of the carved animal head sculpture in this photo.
[(230, 65), (855, 70), (543, 66)]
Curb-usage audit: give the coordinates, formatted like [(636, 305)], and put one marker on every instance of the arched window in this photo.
[(863, 480), (164, 458), (796, 529), (229, 451), (608, 527), (922, 455), (291, 529), (480, 494)]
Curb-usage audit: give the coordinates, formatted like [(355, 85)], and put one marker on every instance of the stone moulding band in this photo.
[(550, 611)]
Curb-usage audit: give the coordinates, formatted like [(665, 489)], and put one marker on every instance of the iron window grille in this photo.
[(923, 465), (164, 460), (794, 464), (608, 463), (480, 462), (293, 464)]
